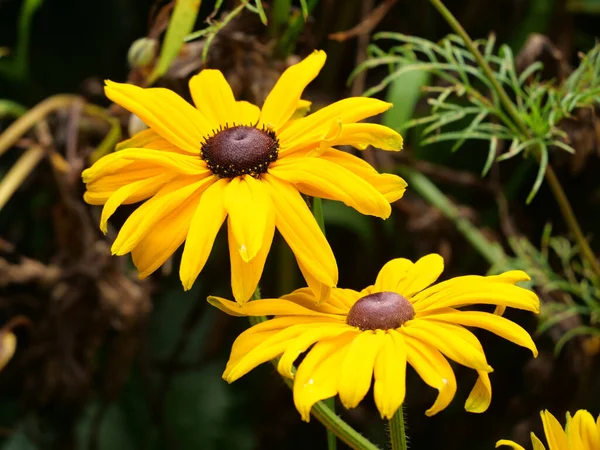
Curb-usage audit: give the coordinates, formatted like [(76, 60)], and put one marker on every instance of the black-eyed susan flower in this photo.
[(400, 320), (196, 166), (581, 432)]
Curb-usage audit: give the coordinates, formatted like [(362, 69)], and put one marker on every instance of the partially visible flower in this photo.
[(581, 432), (375, 333), (228, 159)]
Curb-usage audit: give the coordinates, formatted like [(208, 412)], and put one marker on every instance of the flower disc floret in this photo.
[(380, 311), (240, 150)]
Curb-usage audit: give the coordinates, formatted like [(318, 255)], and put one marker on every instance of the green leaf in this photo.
[(540, 174), (181, 24)]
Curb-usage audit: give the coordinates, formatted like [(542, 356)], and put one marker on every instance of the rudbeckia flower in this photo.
[(400, 320), (581, 432), (226, 159)]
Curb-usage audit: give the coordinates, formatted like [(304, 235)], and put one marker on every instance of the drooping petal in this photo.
[(390, 375), (318, 375), (132, 193), (250, 209), (283, 99), (320, 178), (169, 198), (391, 274), (453, 341), (245, 275), (434, 370), (208, 218), (164, 111), (424, 272), (213, 97), (271, 307), (321, 291), (510, 444), (481, 395), (314, 127), (337, 303), (361, 135), (555, 435), (469, 290), (164, 238), (357, 368), (303, 342), (491, 322), (300, 230)]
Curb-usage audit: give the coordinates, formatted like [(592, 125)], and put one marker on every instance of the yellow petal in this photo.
[(453, 341), (8, 346), (164, 238), (392, 187), (424, 272), (247, 113), (481, 395), (434, 370), (213, 97), (473, 290), (283, 99), (318, 375), (246, 275), (555, 435), (303, 342), (302, 109), (171, 196), (208, 218), (152, 140), (269, 349), (270, 307), (132, 193), (391, 274), (511, 277), (491, 322), (361, 135), (339, 303), (390, 375), (250, 208), (537, 444), (312, 128), (510, 444), (357, 368), (164, 111), (583, 431), (320, 178), (300, 230)]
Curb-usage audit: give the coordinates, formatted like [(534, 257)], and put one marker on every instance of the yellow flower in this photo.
[(581, 433), (399, 320), (229, 159)]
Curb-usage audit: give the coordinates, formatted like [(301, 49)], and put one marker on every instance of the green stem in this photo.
[(418, 182), (397, 433), (555, 186)]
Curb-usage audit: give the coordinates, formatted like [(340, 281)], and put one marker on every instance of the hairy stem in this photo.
[(397, 432)]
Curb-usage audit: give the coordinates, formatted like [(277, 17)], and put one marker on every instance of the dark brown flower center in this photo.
[(380, 311), (240, 150)]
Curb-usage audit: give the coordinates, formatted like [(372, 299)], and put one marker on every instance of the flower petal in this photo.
[(361, 135), (314, 127), (303, 342), (164, 238), (425, 271), (434, 370), (171, 196), (357, 368), (318, 375), (247, 113), (337, 303), (453, 341), (250, 208), (164, 111), (491, 322), (320, 178), (245, 275), (269, 306), (391, 274), (208, 218), (583, 427), (213, 96), (300, 230), (510, 444), (481, 395), (390, 375), (555, 435), (283, 99), (469, 290), (149, 139)]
